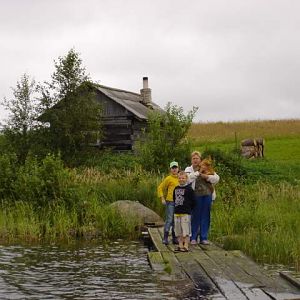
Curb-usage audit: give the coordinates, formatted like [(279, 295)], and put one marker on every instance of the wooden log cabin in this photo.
[(125, 115)]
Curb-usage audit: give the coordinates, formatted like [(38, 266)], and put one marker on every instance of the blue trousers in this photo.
[(169, 222), (201, 217)]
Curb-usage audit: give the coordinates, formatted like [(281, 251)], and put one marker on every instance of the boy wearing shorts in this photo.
[(184, 198)]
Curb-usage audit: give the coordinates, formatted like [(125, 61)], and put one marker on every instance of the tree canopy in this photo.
[(68, 104), (22, 113), (57, 116), (166, 138)]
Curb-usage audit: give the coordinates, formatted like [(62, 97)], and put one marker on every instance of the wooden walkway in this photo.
[(209, 272)]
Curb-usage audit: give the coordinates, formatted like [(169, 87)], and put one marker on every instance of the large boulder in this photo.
[(145, 215)]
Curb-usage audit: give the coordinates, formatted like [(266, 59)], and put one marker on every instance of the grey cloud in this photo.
[(233, 59)]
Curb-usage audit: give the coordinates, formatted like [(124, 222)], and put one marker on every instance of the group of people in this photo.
[(188, 197)]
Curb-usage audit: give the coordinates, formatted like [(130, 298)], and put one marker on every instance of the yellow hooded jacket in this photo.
[(167, 186)]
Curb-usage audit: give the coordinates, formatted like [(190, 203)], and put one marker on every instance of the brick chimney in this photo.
[(146, 93)]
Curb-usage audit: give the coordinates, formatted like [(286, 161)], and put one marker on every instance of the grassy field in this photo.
[(282, 144), (260, 217), (227, 132)]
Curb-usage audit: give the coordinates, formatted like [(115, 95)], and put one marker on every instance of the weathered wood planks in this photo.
[(219, 274), (224, 283), (294, 281), (156, 239), (199, 277), (156, 261)]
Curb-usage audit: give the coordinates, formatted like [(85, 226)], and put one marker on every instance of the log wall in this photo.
[(121, 128)]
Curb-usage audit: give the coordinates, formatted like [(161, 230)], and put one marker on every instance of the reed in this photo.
[(262, 220), (18, 220), (135, 185), (23, 222)]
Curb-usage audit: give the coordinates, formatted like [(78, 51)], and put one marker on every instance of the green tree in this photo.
[(69, 74), (69, 106), (21, 116), (166, 138)]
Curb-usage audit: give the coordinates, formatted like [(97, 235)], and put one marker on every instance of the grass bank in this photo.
[(22, 222), (260, 219), (259, 215), (81, 208)]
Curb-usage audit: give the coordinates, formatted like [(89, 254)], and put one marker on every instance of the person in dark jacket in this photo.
[(184, 198)]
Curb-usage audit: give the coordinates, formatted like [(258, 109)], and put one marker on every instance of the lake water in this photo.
[(117, 270)]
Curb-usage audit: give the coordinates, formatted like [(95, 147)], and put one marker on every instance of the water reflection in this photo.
[(117, 270)]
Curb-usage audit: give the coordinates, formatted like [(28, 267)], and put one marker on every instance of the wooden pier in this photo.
[(210, 272)]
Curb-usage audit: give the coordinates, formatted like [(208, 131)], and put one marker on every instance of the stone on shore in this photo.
[(137, 210)]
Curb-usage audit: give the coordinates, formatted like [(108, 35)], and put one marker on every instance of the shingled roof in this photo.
[(129, 100)]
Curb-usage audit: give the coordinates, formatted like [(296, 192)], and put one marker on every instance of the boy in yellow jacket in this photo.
[(167, 187)]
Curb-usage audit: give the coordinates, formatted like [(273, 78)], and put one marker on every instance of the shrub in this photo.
[(228, 164), (106, 160), (8, 166), (166, 138), (42, 183)]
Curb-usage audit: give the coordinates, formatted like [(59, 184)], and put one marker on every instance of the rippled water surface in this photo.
[(117, 270)]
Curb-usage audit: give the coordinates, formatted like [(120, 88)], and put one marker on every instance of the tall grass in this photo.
[(135, 185), (81, 209), (22, 222), (262, 220), (225, 132)]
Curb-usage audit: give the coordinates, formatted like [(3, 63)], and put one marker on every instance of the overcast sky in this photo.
[(233, 59)]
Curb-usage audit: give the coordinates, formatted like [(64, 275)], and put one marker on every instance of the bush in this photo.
[(166, 139), (228, 164), (105, 160), (8, 168), (42, 183)]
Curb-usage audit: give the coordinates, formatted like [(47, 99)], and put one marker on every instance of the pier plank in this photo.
[(216, 273), (233, 270), (170, 246), (293, 280), (250, 267), (156, 261), (161, 231), (198, 276), (210, 247), (284, 296), (156, 239), (246, 283), (173, 266), (227, 287), (255, 294)]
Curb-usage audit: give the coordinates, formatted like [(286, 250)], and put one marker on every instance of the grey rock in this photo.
[(135, 209)]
